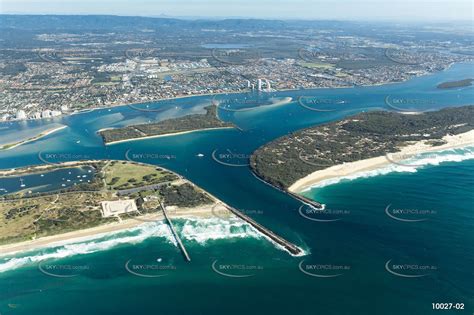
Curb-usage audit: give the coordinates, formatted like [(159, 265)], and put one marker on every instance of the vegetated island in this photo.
[(455, 84), (167, 127), (359, 143), (42, 134), (121, 195)]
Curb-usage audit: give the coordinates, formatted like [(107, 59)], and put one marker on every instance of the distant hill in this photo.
[(106, 22)]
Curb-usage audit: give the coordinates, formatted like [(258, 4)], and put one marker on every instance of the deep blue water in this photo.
[(436, 244)]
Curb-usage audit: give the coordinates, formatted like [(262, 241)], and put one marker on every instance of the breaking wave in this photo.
[(199, 230), (204, 230), (407, 166), (97, 243)]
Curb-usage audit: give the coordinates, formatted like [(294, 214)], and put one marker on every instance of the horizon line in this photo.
[(190, 17)]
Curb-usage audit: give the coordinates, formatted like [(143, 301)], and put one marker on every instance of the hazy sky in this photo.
[(290, 9)]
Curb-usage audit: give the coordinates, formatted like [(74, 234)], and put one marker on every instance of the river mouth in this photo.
[(356, 244)]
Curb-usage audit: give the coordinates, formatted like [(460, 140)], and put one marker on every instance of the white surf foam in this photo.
[(408, 166), (191, 229), (103, 242), (204, 230)]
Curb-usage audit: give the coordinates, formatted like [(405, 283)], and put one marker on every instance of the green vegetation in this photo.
[(455, 84), (362, 64), (317, 65), (29, 218), (78, 207), (125, 175), (184, 195), (169, 126), (367, 135)]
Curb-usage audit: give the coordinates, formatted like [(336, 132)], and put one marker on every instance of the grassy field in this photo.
[(124, 175), (31, 218), (54, 213)]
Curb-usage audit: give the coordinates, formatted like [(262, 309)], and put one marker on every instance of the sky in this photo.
[(400, 10)]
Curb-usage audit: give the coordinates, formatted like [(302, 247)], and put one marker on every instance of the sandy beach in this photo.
[(407, 152), (166, 135), (204, 211), (10, 146), (284, 101), (42, 167)]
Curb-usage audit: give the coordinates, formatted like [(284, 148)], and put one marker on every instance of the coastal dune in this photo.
[(204, 211), (407, 152)]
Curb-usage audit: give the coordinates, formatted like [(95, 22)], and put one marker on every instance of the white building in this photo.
[(20, 114), (268, 85), (114, 208), (46, 113), (259, 84)]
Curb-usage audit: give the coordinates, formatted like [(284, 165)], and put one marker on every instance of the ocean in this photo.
[(392, 241)]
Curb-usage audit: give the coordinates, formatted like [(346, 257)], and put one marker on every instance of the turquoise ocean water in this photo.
[(390, 243)]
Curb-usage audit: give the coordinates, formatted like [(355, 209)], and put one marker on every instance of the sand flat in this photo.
[(9, 146)]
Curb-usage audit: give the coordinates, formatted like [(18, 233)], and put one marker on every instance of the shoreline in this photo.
[(114, 105), (348, 169), (42, 134), (165, 135), (38, 168), (198, 212), (285, 101)]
